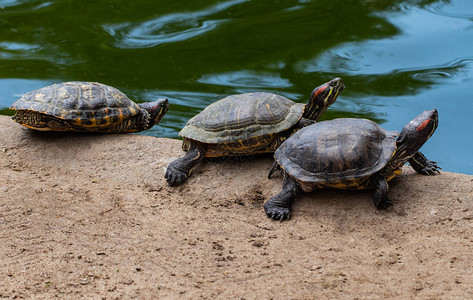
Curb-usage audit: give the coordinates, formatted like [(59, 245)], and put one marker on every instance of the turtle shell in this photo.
[(243, 117), (340, 153), (85, 105)]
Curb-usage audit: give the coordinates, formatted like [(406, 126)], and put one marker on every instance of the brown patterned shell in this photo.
[(243, 117), (336, 153), (83, 104)]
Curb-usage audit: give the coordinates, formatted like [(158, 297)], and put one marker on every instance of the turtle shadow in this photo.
[(58, 135), (64, 143), (66, 136), (346, 200)]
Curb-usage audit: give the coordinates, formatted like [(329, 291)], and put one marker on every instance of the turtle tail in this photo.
[(274, 168)]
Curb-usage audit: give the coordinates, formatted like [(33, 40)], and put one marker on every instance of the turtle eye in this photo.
[(332, 83), (422, 125)]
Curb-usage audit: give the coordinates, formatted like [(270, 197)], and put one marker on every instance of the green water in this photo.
[(397, 58)]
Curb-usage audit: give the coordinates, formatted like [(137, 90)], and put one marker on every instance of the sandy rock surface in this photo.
[(91, 215)]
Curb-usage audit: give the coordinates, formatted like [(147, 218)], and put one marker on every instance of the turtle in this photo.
[(245, 125), (86, 106), (349, 153)]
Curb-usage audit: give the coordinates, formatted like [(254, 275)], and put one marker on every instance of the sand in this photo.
[(91, 216)]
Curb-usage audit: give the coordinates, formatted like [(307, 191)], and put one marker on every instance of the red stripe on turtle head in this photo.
[(423, 124), (320, 90)]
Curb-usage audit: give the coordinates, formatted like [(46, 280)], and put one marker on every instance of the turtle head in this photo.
[(415, 134), (156, 110), (322, 97)]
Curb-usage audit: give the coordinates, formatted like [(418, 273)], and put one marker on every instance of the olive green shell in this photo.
[(84, 104), (341, 153), (243, 117)]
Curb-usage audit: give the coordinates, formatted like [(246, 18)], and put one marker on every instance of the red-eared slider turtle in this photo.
[(349, 154), (247, 124), (86, 106)]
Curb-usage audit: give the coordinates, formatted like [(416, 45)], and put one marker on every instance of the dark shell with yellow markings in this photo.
[(342, 153), (241, 123), (85, 105)]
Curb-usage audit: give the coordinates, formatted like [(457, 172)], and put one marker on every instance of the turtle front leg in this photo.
[(380, 196), (278, 207), (179, 170), (422, 165)]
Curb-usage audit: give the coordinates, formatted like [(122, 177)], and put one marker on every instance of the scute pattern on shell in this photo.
[(337, 151), (242, 117), (81, 103)]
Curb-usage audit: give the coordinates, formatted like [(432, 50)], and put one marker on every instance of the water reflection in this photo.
[(412, 61), (396, 57)]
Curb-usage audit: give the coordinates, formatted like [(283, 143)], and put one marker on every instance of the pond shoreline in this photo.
[(91, 215)]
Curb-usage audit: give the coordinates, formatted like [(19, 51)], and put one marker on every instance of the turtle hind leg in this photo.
[(179, 170), (380, 196), (422, 165), (278, 207)]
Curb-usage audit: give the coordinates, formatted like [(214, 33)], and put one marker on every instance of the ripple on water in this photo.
[(246, 79), (12, 3), (24, 51), (9, 3), (454, 9), (14, 46), (168, 28), (443, 72)]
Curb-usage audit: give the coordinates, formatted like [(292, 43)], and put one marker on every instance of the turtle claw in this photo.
[(424, 166), (277, 213), (284, 217), (430, 168), (387, 202), (174, 176)]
